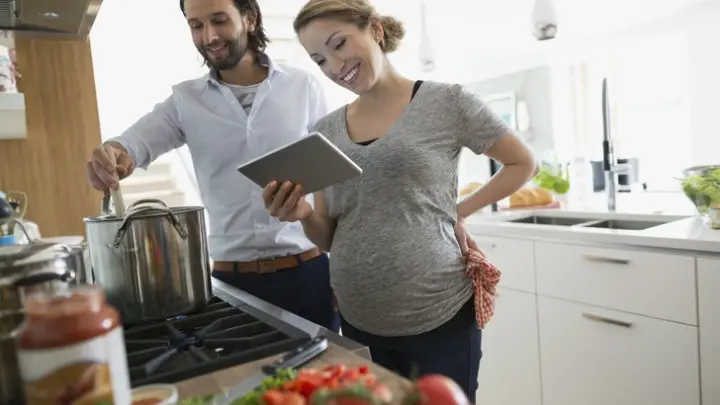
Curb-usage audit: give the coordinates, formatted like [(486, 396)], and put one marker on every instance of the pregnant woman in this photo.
[(396, 232)]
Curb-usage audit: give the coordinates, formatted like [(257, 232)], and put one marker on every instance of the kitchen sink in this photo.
[(550, 220), (624, 224)]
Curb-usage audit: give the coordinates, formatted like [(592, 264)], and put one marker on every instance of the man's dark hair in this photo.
[(257, 40)]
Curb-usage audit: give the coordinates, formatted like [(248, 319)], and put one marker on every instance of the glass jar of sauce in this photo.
[(71, 350)]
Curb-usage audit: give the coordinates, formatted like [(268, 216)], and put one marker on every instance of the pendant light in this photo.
[(544, 21), (426, 52)]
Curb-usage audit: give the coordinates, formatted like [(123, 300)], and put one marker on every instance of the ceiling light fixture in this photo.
[(544, 21)]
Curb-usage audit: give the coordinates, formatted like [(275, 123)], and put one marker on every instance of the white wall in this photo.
[(479, 39), (533, 87), (137, 57), (697, 30), (704, 83), (473, 41)]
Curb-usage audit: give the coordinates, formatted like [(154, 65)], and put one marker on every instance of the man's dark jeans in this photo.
[(304, 290)]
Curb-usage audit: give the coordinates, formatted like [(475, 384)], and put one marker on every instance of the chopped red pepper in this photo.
[(273, 397), (307, 384)]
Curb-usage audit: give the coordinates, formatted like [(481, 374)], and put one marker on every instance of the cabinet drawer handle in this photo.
[(604, 319), (600, 259)]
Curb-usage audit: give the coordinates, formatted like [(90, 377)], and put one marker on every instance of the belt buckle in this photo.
[(260, 270)]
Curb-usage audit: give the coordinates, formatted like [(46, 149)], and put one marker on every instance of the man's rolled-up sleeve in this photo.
[(156, 133)]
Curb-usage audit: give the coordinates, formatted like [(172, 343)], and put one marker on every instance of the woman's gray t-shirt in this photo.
[(395, 263)]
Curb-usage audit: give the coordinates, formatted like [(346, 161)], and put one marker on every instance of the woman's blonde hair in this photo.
[(358, 12)]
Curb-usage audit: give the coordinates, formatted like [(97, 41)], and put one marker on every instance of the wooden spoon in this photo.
[(118, 202)]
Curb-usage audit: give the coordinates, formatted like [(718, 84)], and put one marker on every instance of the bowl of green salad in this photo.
[(701, 184)]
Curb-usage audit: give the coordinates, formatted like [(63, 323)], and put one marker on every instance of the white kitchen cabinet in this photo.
[(593, 356), (510, 367), (513, 257), (660, 285), (708, 308)]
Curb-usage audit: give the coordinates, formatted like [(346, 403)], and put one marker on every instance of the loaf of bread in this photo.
[(529, 197), (470, 188)]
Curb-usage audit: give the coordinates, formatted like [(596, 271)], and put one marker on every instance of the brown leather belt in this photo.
[(264, 266)]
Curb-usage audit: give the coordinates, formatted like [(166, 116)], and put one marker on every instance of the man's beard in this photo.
[(235, 52)]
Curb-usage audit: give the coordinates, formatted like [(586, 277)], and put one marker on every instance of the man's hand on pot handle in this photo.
[(108, 165), (286, 202)]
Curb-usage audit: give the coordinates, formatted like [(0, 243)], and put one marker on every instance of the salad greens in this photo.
[(253, 397), (703, 189), (202, 400), (553, 179)]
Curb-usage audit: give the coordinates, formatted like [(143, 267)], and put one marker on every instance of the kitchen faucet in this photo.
[(610, 165)]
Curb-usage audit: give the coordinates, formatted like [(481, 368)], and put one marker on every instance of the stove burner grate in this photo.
[(187, 346)]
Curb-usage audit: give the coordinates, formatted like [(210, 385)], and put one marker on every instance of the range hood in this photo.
[(61, 19)]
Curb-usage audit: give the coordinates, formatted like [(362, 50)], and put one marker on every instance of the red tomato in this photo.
[(364, 369), (336, 369), (332, 383), (306, 385), (351, 375), (309, 371), (435, 389), (273, 397), (348, 401), (381, 393), (353, 393), (293, 398), (369, 379)]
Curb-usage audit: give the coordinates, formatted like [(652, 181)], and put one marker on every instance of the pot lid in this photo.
[(19, 260), (145, 213), (142, 213)]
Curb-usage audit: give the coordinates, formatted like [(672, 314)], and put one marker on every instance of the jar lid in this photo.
[(12, 255), (20, 261)]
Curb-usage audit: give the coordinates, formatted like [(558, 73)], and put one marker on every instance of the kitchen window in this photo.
[(649, 107)]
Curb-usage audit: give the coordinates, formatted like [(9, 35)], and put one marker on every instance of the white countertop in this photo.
[(681, 233)]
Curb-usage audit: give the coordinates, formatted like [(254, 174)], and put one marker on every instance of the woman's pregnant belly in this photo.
[(392, 285)]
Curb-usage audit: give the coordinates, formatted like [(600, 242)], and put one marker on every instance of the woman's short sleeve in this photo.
[(478, 126)]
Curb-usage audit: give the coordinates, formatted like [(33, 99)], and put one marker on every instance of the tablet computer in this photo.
[(312, 162)]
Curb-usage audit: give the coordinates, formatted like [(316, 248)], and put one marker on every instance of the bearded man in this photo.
[(246, 106)]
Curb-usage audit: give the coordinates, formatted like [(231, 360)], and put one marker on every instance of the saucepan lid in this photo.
[(139, 210), (33, 263), (145, 208)]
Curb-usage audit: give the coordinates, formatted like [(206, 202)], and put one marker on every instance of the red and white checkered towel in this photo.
[(485, 277)]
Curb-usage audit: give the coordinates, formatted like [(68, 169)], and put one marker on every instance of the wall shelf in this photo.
[(12, 116)]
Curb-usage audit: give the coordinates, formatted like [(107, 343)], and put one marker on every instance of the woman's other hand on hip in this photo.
[(464, 238)]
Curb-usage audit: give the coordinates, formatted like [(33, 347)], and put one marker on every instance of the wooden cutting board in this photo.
[(214, 383)]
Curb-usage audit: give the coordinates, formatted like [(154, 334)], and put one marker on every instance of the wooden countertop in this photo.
[(214, 383)]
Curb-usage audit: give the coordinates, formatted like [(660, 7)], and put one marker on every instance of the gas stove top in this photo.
[(221, 336)]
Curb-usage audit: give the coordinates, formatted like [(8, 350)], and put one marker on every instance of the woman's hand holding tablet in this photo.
[(286, 201)]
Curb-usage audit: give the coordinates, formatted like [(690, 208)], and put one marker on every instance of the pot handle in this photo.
[(44, 276), (105, 205), (13, 222), (135, 208), (146, 201), (4, 313), (39, 277), (32, 240)]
